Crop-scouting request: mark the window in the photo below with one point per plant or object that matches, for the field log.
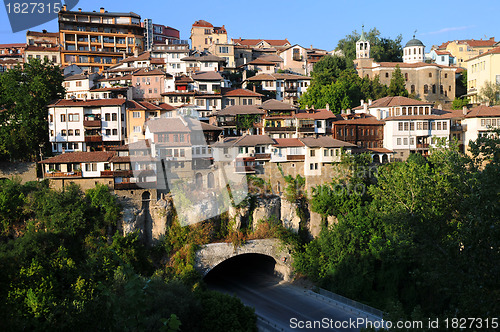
(136, 115)
(176, 138)
(426, 88)
(313, 153)
(91, 167)
(386, 74)
(114, 117)
(77, 132)
(434, 88)
(108, 132)
(70, 132)
(63, 132)
(399, 141)
(107, 117)
(405, 141)
(73, 117)
(51, 133)
(430, 74)
(63, 117)
(445, 126)
(406, 126)
(400, 126)
(325, 152)
(223, 49)
(203, 87)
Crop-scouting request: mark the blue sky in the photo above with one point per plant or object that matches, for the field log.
(318, 22)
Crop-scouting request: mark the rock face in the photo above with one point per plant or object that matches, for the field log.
(240, 216)
(289, 215)
(268, 208)
(132, 220)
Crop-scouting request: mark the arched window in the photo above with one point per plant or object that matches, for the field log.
(426, 88)
(404, 111)
(199, 181)
(146, 196)
(420, 110)
(430, 74)
(210, 180)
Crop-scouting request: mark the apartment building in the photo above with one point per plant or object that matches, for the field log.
(157, 34)
(288, 87)
(478, 122)
(203, 62)
(361, 129)
(43, 45)
(96, 41)
(482, 69)
(234, 120)
(294, 59)
(82, 125)
(170, 55)
(149, 84)
(204, 34)
(79, 85)
(139, 112)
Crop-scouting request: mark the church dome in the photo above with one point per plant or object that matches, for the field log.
(414, 42)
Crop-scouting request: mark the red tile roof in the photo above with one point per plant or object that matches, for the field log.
(320, 114)
(80, 157)
(42, 34)
(394, 101)
(324, 142)
(88, 103)
(241, 93)
(484, 111)
(288, 142)
(255, 42)
(471, 42)
(202, 23)
(16, 45)
(149, 72)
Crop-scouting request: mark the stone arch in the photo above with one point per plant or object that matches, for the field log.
(212, 255)
(385, 158)
(376, 159)
(146, 196)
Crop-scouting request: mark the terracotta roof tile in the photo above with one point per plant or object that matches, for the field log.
(80, 157)
(484, 111)
(288, 142)
(324, 142)
(88, 103)
(241, 93)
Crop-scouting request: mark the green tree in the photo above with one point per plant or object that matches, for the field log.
(24, 96)
(381, 49)
(459, 103)
(490, 92)
(397, 86)
(328, 69)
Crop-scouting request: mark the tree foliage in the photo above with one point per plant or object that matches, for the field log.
(397, 87)
(490, 92)
(381, 49)
(425, 240)
(24, 96)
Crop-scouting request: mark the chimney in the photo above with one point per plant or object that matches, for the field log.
(342, 112)
(327, 107)
(102, 9)
(64, 8)
(362, 102)
(254, 89)
(80, 10)
(487, 103)
(465, 110)
(370, 102)
(440, 107)
(365, 107)
(88, 148)
(44, 31)
(63, 150)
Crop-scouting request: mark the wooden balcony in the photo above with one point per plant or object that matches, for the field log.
(306, 130)
(63, 174)
(278, 129)
(93, 139)
(422, 146)
(134, 185)
(295, 157)
(227, 123)
(92, 123)
(262, 156)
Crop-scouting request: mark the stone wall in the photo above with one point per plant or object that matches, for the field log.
(25, 171)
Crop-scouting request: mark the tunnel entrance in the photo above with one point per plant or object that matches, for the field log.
(245, 268)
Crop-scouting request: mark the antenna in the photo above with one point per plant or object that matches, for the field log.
(414, 33)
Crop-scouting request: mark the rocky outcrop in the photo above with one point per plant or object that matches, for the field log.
(289, 216)
(266, 208)
(239, 216)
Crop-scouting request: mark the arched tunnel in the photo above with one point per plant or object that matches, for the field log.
(249, 270)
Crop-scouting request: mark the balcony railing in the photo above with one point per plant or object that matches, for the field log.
(135, 185)
(261, 156)
(92, 123)
(458, 128)
(295, 157)
(227, 124)
(306, 130)
(274, 129)
(422, 146)
(290, 89)
(63, 174)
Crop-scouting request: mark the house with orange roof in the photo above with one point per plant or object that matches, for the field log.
(465, 49)
(444, 58)
(204, 34)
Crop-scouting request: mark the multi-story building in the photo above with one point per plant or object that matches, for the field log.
(294, 59)
(277, 44)
(226, 52)
(240, 97)
(428, 81)
(444, 58)
(261, 66)
(43, 45)
(12, 51)
(288, 87)
(170, 54)
(81, 125)
(139, 112)
(204, 62)
(478, 122)
(79, 85)
(96, 41)
(204, 34)
(361, 129)
(465, 49)
(234, 120)
(149, 84)
(157, 34)
(482, 69)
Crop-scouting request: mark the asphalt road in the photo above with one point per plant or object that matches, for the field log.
(279, 302)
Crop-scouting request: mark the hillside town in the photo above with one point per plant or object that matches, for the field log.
(130, 84)
(216, 179)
